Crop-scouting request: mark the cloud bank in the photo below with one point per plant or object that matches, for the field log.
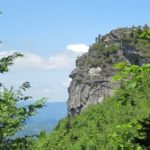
(31, 60)
(62, 60)
(46, 84)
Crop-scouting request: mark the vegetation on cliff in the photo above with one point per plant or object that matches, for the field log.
(94, 70)
(100, 53)
(120, 122)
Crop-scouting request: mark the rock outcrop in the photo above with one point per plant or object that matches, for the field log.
(91, 79)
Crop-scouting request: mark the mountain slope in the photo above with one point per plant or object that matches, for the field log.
(91, 78)
(122, 120)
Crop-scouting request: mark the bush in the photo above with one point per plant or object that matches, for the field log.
(12, 117)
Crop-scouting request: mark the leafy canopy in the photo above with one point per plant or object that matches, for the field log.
(13, 116)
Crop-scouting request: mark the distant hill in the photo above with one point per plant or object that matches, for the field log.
(45, 119)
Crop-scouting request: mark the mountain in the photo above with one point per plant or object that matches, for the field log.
(91, 78)
(108, 115)
(45, 119)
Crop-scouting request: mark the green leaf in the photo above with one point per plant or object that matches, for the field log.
(132, 85)
(116, 78)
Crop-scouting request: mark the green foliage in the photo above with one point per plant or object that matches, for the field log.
(78, 79)
(91, 62)
(133, 80)
(98, 46)
(24, 143)
(138, 38)
(13, 116)
(142, 46)
(145, 34)
(113, 124)
(124, 135)
(144, 133)
(102, 53)
(112, 48)
(5, 62)
(105, 47)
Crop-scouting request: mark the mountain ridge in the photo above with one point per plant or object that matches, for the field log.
(91, 79)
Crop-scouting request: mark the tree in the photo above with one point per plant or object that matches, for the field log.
(134, 82)
(13, 116)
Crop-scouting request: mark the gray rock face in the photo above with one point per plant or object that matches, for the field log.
(91, 79)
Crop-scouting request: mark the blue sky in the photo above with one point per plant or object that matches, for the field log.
(52, 33)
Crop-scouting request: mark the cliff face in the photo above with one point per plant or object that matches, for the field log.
(91, 79)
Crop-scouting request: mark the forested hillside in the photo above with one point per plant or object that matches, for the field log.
(121, 121)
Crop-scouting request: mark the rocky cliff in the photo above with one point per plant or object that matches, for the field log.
(91, 79)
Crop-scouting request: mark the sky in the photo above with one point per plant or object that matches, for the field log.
(53, 33)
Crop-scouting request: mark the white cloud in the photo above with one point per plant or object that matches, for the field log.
(63, 60)
(67, 82)
(30, 60)
(54, 89)
(58, 61)
(5, 53)
(78, 48)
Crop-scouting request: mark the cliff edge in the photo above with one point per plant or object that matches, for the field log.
(91, 79)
